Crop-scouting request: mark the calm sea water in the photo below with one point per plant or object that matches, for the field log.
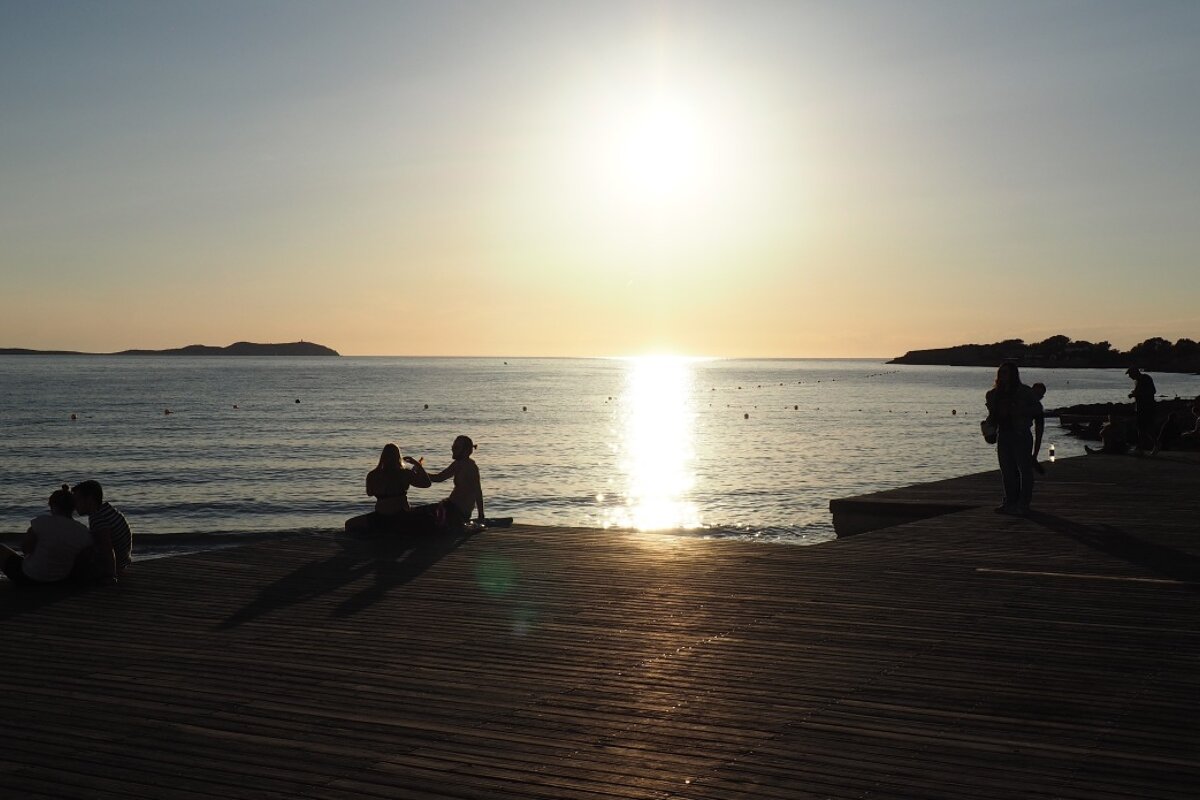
(730, 448)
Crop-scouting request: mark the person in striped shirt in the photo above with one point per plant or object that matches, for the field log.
(110, 531)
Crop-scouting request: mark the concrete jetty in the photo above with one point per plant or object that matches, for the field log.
(960, 655)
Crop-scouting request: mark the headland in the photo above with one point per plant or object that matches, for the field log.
(1062, 352)
(301, 348)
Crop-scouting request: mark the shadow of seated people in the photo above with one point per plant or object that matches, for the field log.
(386, 562)
(17, 600)
(1161, 560)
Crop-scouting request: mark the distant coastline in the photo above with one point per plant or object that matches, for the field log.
(300, 348)
(1154, 354)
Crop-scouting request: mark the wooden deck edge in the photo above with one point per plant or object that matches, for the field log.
(854, 516)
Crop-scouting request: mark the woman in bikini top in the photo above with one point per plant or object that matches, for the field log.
(388, 483)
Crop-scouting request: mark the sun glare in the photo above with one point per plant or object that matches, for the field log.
(660, 148)
(657, 150)
(655, 450)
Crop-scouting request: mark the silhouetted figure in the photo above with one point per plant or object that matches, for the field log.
(1144, 406)
(1190, 439)
(1112, 440)
(1012, 408)
(52, 546)
(1169, 434)
(453, 512)
(111, 535)
(388, 483)
(1039, 425)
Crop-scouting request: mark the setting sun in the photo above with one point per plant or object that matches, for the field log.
(658, 150)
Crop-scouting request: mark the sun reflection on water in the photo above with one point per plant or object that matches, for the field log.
(655, 448)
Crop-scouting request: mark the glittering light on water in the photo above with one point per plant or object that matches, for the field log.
(655, 448)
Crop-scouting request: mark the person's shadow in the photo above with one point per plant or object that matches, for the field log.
(1163, 561)
(15, 601)
(393, 562)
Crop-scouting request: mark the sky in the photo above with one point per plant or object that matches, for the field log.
(729, 179)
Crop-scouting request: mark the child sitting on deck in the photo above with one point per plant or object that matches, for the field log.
(1112, 440)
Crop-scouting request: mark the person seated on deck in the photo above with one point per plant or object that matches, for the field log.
(1190, 439)
(52, 547)
(111, 536)
(453, 512)
(388, 483)
(1112, 440)
(1168, 435)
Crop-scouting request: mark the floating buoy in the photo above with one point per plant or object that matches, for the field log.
(427, 406)
(297, 399)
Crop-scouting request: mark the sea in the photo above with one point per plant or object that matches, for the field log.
(249, 446)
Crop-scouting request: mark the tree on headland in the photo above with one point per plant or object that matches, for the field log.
(1156, 354)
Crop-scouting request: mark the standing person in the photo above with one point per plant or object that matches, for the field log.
(1011, 408)
(1144, 406)
(51, 547)
(455, 510)
(110, 531)
(388, 483)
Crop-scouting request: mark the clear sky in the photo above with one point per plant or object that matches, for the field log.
(598, 178)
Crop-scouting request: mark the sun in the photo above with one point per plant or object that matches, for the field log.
(645, 164)
(657, 150)
(652, 149)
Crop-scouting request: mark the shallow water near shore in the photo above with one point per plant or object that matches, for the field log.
(740, 448)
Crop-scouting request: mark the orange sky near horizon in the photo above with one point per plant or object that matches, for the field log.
(596, 179)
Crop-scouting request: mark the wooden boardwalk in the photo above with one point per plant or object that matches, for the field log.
(963, 656)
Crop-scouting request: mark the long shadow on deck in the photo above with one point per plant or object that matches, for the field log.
(1166, 562)
(14, 601)
(394, 562)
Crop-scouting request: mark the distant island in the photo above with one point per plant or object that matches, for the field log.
(300, 348)
(1155, 354)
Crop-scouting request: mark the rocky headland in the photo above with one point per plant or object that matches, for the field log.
(1155, 355)
(300, 348)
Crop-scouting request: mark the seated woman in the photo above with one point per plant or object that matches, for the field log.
(1168, 435)
(388, 483)
(1190, 440)
(453, 512)
(1112, 439)
(52, 547)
